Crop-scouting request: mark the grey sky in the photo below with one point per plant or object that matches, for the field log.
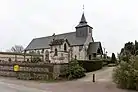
(114, 21)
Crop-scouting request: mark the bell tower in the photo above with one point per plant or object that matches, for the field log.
(83, 29)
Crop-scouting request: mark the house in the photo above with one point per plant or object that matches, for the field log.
(62, 48)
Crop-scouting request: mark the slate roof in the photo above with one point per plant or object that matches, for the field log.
(83, 22)
(94, 46)
(83, 19)
(57, 42)
(43, 42)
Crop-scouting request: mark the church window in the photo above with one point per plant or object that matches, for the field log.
(89, 57)
(56, 53)
(65, 47)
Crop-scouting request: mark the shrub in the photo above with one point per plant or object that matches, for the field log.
(106, 62)
(91, 65)
(126, 74)
(74, 70)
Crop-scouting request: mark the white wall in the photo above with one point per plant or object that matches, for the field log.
(75, 51)
(61, 58)
(62, 55)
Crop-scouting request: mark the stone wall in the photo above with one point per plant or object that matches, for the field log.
(34, 71)
(59, 69)
(61, 58)
(28, 70)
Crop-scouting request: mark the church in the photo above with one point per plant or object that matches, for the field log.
(62, 48)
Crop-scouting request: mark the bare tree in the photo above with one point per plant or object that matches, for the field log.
(17, 48)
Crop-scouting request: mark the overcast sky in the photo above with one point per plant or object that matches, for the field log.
(114, 21)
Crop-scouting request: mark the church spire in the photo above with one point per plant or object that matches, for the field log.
(83, 19)
(83, 29)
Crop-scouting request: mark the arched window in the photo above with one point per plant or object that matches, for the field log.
(89, 57)
(65, 47)
(56, 53)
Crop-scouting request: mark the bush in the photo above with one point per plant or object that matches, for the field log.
(126, 74)
(106, 62)
(91, 65)
(74, 70)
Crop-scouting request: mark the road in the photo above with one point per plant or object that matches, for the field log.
(8, 87)
(103, 75)
(103, 84)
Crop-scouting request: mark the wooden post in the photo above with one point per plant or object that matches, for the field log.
(93, 77)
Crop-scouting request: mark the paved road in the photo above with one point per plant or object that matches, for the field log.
(103, 84)
(9, 87)
(104, 74)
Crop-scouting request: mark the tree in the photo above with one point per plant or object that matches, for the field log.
(125, 75)
(17, 49)
(136, 47)
(113, 59)
(130, 47)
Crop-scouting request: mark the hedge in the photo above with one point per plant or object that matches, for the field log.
(106, 62)
(91, 65)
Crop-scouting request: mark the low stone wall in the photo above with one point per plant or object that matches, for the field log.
(32, 71)
(59, 69)
(27, 70)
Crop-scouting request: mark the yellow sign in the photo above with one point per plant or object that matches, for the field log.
(16, 68)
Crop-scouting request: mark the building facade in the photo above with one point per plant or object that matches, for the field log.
(64, 47)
